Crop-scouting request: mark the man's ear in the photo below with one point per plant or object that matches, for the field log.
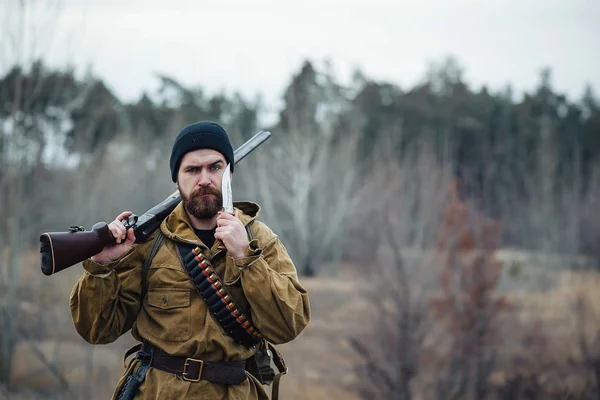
(177, 184)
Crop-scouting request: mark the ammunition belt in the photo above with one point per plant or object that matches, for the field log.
(218, 299)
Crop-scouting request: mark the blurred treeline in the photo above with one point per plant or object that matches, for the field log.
(72, 152)
(350, 166)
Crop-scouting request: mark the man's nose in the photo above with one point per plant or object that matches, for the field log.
(204, 179)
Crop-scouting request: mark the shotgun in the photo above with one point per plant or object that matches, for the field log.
(61, 250)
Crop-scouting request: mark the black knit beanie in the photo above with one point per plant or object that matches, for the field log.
(200, 135)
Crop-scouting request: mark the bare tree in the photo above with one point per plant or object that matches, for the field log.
(309, 181)
(407, 194)
(13, 237)
(30, 117)
(467, 306)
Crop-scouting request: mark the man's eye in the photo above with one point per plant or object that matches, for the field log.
(215, 167)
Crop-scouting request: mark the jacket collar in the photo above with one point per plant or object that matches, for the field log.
(178, 226)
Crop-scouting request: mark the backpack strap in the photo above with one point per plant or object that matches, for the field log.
(158, 241)
(249, 231)
(134, 380)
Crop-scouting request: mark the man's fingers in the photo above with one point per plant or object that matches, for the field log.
(224, 222)
(230, 221)
(223, 230)
(227, 216)
(117, 227)
(220, 235)
(117, 233)
(124, 215)
(130, 238)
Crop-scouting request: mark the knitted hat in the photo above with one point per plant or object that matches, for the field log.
(200, 135)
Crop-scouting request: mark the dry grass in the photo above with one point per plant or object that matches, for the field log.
(321, 361)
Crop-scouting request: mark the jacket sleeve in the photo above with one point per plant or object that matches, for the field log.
(279, 303)
(105, 300)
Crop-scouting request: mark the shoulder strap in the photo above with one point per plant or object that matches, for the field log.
(158, 241)
(250, 231)
(280, 364)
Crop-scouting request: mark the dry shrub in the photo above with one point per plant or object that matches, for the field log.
(551, 342)
(466, 308)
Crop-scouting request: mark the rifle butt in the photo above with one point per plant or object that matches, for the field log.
(61, 250)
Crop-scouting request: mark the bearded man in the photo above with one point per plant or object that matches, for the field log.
(203, 296)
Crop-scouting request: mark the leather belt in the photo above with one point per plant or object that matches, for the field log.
(194, 370)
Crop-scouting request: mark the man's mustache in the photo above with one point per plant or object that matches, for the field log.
(205, 190)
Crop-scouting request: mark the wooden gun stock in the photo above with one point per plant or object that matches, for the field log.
(61, 250)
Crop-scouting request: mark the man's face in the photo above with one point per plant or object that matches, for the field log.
(199, 182)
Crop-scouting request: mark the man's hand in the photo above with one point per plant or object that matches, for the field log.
(231, 231)
(124, 240)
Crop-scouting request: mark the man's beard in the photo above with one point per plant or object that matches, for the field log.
(203, 207)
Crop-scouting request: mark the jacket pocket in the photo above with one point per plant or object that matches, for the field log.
(168, 314)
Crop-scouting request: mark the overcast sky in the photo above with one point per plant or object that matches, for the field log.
(255, 46)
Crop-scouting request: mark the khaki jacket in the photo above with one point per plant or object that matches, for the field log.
(105, 304)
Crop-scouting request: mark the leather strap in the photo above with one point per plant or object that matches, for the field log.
(133, 381)
(129, 352)
(194, 370)
(280, 364)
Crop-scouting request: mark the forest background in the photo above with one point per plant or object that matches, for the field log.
(448, 234)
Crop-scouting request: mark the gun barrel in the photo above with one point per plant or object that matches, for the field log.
(240, 153)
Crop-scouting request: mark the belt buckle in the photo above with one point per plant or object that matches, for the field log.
(185, 366)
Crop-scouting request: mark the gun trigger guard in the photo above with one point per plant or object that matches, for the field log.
(130, 222)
